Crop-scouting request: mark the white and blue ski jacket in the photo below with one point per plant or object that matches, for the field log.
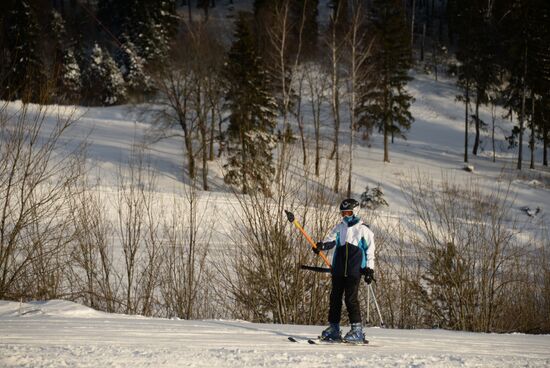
(354, 248)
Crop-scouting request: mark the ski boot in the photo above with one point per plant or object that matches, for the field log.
(332, 333)
(355, 335)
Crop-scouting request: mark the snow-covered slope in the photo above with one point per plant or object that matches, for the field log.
(63, 334)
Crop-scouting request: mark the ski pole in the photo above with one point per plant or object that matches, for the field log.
(292, 219)
(382, 324)
(368, 304)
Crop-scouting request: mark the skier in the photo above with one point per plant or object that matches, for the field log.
(353, 257)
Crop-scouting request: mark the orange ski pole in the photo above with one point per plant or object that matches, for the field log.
(292, 219)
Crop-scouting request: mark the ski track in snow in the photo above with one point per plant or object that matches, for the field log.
(64, 334)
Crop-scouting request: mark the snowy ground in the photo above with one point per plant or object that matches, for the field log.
(63, 334)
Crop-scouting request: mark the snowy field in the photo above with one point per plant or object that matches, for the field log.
(63, 334)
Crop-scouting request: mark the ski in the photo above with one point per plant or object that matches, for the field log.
(324, 342)
(332, 342)
(302, 340)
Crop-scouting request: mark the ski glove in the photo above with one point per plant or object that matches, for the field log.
(319, 246)
(369, 276)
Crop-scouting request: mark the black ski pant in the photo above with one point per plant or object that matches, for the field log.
(348, 286)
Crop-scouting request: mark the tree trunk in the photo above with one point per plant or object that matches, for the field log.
(187, 137)
(190, 154)
(423, 42)
(522, 112)
(204, 144)
(212, 129)
(532, 140)
(387, 123)
(545, 123)
(493, 115)
(466, 103)
(413, 13)
(300, 120)
(335, 108)
(477, 125)
(243, 158)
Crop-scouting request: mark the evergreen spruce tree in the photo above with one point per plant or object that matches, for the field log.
(103, 80)
(25, 78)
(384, 102)
(133, 70)
(541, 71)
(114, 91)
(150, 24)
(94, 76)
(252, 114)
(477, 53)
(520, 62)
(66, 71)
(70, 78)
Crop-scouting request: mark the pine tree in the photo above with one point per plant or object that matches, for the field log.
(94, 75)
(114, 90)
(70, 78)
(384, 101)
(252, 114)
(521, 64)
(26, 77)
(66, 71)
(478, 73)
(149, 23)
(133, 70)
(103, 80)
(541, 81)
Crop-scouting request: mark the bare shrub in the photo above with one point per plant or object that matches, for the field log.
(184, 288)
(468, 247)
(93, 277)
(138, 226)
(37, 177)
(398, 269)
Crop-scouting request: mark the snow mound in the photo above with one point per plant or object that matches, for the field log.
(51, 308)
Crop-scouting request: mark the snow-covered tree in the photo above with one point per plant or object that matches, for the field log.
(103, 80)
(373, 198)
(149, 23)
(66, 71)
(252, 115)
(115, 89)
(150, 37)
(385, 102)
(70, 82)
(133, 70)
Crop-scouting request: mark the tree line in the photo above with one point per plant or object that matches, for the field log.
(112, 52)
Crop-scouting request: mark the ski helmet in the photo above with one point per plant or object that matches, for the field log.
(348, 204)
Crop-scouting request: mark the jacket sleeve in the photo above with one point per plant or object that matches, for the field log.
(369, 237)
(332, 239)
